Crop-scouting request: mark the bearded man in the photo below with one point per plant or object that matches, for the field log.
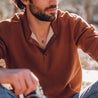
(41, 46)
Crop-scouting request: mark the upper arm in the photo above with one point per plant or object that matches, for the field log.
(86, 38)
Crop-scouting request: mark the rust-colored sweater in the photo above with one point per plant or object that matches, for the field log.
(57, 66)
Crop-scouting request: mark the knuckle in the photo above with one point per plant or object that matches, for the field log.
(14, 76)
(33, 88)
(19, 73)
(18, 89)
(24, 89)
(18, 93)
(30, 89)
(26, 71)
(27, 92)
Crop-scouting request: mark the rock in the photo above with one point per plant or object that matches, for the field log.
(6, 9)
(87, 62)
(89, 77)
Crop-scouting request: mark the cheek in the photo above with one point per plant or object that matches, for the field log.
(42, 3)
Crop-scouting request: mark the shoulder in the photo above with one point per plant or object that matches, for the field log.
(65, 15)
(70, 19)
(9, 26)
(10, 23)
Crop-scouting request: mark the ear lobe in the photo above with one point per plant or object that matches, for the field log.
(25, 2)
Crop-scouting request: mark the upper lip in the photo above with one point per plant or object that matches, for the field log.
(52, 7)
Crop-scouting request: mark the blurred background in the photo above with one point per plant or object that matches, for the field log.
(87, 9)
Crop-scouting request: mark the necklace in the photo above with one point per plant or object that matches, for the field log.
(43, 41)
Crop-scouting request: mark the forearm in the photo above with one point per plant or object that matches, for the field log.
(2, 76)
(22, 80)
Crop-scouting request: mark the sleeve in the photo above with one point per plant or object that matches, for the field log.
(86, 37)
(2, 50)
(2, 41)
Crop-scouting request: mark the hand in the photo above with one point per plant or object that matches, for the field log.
(22, 80)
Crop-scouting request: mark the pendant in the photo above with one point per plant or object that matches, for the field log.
(43, 41)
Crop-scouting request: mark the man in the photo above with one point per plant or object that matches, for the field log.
(43, 42)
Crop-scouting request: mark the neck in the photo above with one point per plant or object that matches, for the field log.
(37, 26)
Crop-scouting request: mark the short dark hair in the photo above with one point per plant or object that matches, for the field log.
(19, 4)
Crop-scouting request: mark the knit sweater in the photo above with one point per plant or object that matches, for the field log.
(57, 66)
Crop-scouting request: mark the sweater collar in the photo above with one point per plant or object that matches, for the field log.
(27, 30)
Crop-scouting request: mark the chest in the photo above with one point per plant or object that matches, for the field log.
(28, 54)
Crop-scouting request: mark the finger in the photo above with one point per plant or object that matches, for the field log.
(23, 84)
(16, 85)
(34, 79)
(29, 83)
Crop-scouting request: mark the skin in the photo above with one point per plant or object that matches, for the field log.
(23, 80)
(38, 27)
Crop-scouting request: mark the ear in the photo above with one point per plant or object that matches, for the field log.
(25, 2)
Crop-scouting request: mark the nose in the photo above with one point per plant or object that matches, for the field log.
(53, 2)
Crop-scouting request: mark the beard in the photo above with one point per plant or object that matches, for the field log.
(41, 15)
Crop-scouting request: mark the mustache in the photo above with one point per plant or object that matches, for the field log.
(52, 6)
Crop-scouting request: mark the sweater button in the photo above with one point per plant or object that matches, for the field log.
(48, 44)
(54, 36)
(31, 40)
(45, 54)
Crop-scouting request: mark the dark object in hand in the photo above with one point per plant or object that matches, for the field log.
(32, 95)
